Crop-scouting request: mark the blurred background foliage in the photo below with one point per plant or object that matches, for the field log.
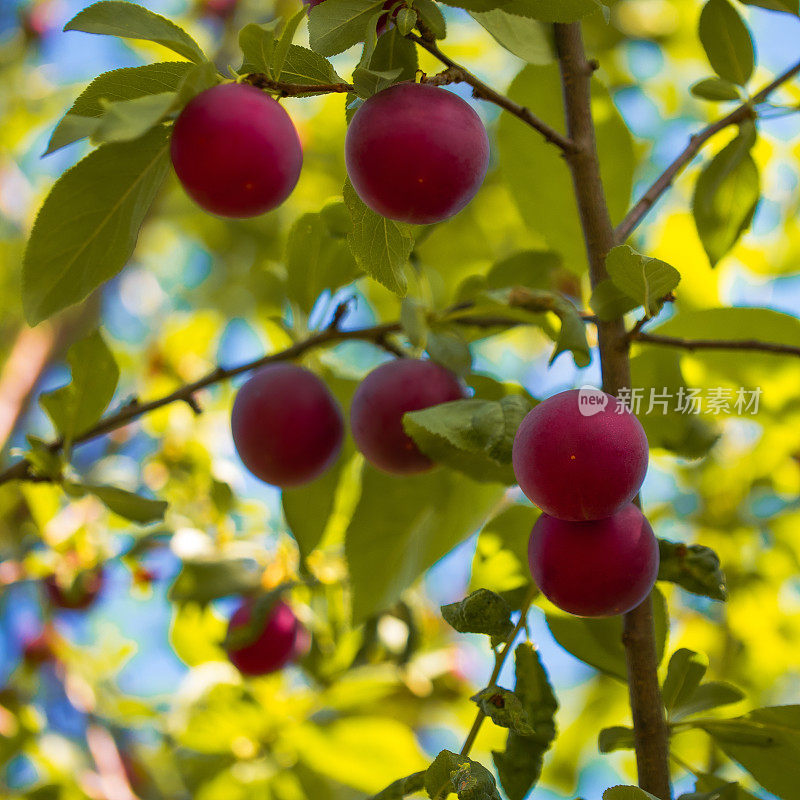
(142, 673)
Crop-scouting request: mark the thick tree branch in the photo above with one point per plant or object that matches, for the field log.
(647, 709)
(752, 345)
(665, 180)
(378, 335)
(484, 92)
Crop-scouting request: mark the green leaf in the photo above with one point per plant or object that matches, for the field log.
(414, 319)
(609, 302)
(627, 793)
(401, 526)
(454, 773)
(472, 436)
(432, 16)
(446, 346)
(368, 82)
(552, 10)
(685, 671)
(112, 87)
(538, 176)
(257, 43)
(716, 89)
(711, 694)
(726, 196)
(87, 228)
(304, 66)
(526, 38)
(710, 787)
(520, 764)
(501, 556)
(645, 280)
(693, 567)
(132, 21)
(316, 261)
(475, 5)
(482, 612)
(130, 119)
(727, 41)
(402, 787)
(405, 20)
(76, 407)
(789, 6)
(202, 581)
(505, 709)
(129, 505)
(619, 737)
(380, 246)
(285, 42)
(766, 742)
(336, 25)
(598, 642)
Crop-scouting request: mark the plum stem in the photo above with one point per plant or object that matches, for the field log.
(651, 735)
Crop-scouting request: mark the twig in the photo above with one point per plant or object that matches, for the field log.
(752, 345)
(484, 92)
(651, 736)
(262, 81)
(500, 660)
(696, 142)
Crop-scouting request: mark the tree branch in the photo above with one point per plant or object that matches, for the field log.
(647, 709)
(484, 92)
(378, 335)
(752, 345)
(665, 180)
(261, 81)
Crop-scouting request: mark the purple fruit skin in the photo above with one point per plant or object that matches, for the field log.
(577, 467)
(598, 568)
(236, 151)
(416, 153)
(287, 427)
(388, 392)
(275, 646)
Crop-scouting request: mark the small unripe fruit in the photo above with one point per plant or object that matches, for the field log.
(577, 465)
(598, 568)
(388, 392)
(416, 153)
(78, 595)
(236, 151)
(287, 427)
(273, 648)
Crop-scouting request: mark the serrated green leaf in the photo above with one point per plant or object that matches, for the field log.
(202, 581)
(472, 436)
(711, 694)
(693, 567)
(132, 21)
(504, 709)
(316, 261)
(726, 196)
(716, 89)
(285, 42)
(645, 280)
(257, 43)
(87, 228)
(380, 246)
(405, 20)
(368, 82)
(336, 25)
(451, 772)
(727, 41)
(685, 671)
(115, 86)
(482, 612)
(520, 764)
(526, 38)
(74, 408)
(130, 119)
(619, 737)
(401, 526)
(305, 67)
(598, 642)
(766, 742)
(432, 16)
(129, 505)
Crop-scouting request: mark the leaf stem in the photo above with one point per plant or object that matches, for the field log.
(499, 661)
